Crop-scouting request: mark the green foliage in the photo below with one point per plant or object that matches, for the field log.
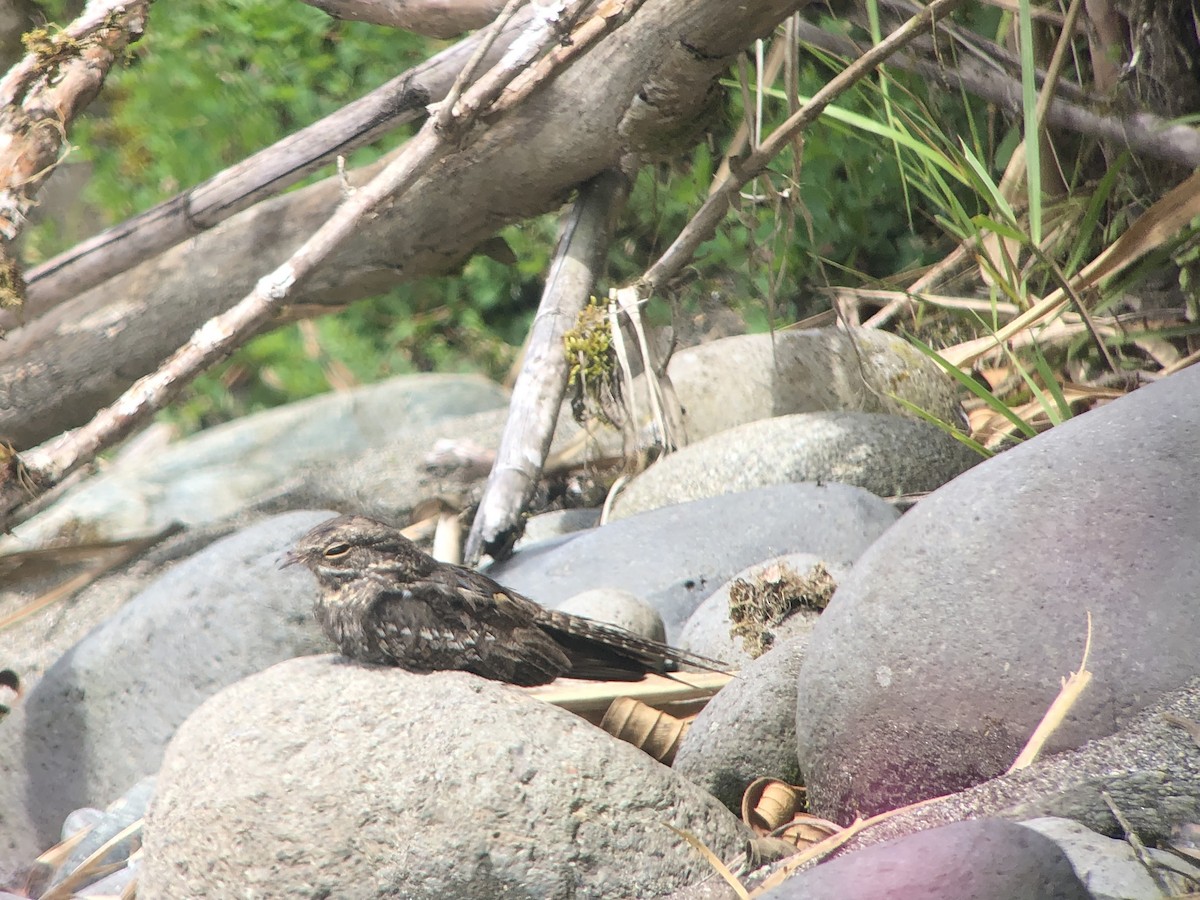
(212, 82)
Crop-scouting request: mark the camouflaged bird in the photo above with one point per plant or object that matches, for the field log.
(385, 601)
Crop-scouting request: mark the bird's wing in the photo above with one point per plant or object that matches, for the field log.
(597, 650)
(452, 622)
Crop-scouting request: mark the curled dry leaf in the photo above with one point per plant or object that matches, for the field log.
(768, 804)
(806, 830)
(651, 730)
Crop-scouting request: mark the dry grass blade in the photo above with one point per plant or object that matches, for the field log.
(1071, 689)
(1161, 222)
(90, 869)
(715, 862)
(588, 699)
(114, 556)
(57, 855)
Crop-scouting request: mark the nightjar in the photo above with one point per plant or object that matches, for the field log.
(385, 601)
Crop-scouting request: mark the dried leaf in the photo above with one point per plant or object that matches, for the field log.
(655, 732)
(768, 803)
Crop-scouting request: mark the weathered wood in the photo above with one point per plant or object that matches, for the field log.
(41, 95)
(46, 466)
(542, 382)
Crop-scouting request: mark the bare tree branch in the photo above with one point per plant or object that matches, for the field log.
(42, 94)
(434, 18)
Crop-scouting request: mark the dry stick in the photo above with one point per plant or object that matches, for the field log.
(446, 110)
(608, 15)
(267, 172)
(96, 17)
(538, 392)
(703, 224)
(1139, 847)
(1071, 689)
(222, 334)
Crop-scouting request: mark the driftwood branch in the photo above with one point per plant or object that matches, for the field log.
(538, 393)
(58, 370)
(266, 173)
(433, 18)
(45, 466)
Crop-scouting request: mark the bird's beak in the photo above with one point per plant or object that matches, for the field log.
(290, 559)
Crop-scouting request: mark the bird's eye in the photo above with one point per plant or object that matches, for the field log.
(333, 551)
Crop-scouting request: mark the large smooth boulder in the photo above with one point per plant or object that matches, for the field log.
(950, 637)
(757, 376)
(987, 859)
(319, 778)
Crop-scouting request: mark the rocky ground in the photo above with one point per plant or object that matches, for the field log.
(183, 717)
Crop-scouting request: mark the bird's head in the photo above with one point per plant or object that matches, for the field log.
(350, 547)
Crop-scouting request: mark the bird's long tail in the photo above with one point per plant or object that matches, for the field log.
(600, 650)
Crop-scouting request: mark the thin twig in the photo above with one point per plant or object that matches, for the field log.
(608, 16)
(446, 108)
(1139, 847)
(1071, 689)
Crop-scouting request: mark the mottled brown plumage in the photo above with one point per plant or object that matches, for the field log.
(385, 601)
